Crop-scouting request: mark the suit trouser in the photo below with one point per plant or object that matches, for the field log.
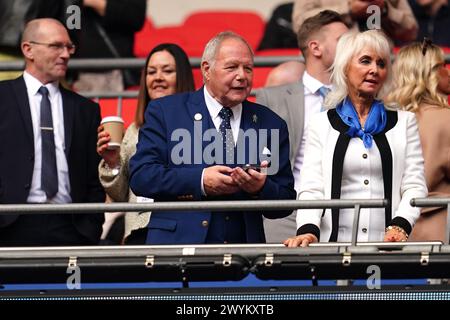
(42, 230)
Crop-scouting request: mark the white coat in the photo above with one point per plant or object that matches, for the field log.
(366, 173)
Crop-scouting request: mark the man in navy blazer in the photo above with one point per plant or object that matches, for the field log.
(193, 145)
(47, 47)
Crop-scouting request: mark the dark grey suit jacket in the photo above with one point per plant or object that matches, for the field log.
(288, 102)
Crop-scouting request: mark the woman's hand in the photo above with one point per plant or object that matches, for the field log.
(302, 240)
(395, 234)
(111, 157)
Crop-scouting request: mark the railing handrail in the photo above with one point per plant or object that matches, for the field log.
(137, 63)
(430, 202)
(435, 202)
(242, 205)
(131, 94)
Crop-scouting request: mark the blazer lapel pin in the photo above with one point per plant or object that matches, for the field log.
(255, 118)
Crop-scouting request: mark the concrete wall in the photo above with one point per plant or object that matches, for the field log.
(173, 12)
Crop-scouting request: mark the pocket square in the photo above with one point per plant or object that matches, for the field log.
(266, 151)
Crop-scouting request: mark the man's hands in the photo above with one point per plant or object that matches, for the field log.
(223, 180)
(217, 181)
(250, 181)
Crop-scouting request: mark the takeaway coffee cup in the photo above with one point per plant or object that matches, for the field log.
(114, 126)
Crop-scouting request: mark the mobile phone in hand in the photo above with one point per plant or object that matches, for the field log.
(255, 167)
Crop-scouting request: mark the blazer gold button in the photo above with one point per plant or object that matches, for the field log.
(365, 156)
(205, 223)
(366, 182)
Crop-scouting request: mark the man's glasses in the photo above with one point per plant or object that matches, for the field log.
(426, 43)
(58, 47)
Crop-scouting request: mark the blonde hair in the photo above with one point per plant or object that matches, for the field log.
(348, 46)
(416, 78)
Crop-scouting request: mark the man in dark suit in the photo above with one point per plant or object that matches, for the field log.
(192, 147)
(49, 137)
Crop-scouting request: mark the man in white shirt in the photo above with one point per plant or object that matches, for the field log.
(49, 137)
(297, 102)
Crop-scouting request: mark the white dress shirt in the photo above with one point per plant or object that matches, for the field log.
(313, 105)
(37, 195)
(214, 108)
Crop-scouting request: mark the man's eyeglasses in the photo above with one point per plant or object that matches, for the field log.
(59, 47)
(425, 44)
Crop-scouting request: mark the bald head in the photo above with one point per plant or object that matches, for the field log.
(38, 28)
(46, 47)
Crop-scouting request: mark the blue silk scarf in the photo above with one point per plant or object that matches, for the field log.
(375, 123)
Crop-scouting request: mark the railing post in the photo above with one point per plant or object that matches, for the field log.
(355, 224)
(119, 106)
(447, 232)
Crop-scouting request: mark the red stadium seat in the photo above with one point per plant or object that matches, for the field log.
(198, 28)
(278, 52)
(202, 26)
(108, 107)
(141, 39)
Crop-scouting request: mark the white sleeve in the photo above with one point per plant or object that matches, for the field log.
(413, 184)
(312, 186)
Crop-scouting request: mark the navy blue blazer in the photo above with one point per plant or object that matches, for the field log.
(156, 174)
(81, 119)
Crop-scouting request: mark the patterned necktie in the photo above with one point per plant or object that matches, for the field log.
(323, 91)
(227, 134)
(49, 173)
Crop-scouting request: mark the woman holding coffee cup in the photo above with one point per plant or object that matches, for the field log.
(167, 71)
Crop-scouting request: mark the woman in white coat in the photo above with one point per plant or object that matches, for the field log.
(358, 149)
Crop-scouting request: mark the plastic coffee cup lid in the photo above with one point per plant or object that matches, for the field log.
(112, 119)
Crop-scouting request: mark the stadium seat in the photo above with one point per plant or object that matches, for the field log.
(202, 26)
(108, 107)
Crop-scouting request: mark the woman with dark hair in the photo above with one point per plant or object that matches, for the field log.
(167, 71)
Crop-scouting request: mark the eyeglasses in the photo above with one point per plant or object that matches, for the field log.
(425, 44)
(58, 47)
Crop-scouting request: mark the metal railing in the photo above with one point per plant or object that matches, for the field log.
(137, 63)
(132, 63)
(205, 262)
(435, 202)
(247, 205)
